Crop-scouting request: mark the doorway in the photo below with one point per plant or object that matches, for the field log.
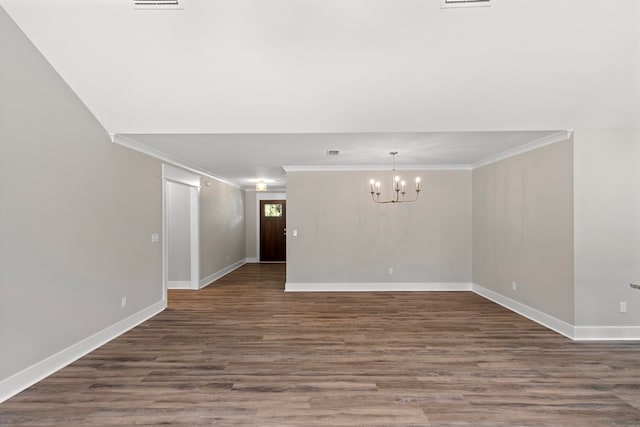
(180, 194)
(273, 230)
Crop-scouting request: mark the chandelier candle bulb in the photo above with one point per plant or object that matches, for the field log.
(399, 188)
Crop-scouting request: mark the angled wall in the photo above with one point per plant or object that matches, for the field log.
(523, 229)
(250, 225)
(76, 220)
(222, 228)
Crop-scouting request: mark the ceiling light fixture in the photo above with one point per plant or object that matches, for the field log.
(261, 186)
(399, 186)
(157, 4)
(464, 3)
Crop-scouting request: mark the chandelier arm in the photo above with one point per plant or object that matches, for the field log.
(384, 202)
(412, 200)
(398, 187)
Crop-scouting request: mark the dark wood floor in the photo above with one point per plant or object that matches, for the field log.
(242, 352)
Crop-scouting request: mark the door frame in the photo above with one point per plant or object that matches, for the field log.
(180, 176)
(259, 197)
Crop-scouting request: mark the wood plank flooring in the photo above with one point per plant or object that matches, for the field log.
(242, 352)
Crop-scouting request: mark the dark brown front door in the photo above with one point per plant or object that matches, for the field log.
(273, 223)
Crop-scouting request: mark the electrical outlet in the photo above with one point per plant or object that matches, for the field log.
(514, 286)
(390, 271)
(124, 302)
(623, 306)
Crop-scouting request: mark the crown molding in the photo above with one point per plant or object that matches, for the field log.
(145, 149)
(547, 140)
(355, 168)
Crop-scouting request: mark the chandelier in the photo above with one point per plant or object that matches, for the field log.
(399, 186)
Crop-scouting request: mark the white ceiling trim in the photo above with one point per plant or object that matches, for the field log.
(352, 168)
(135, 145)
(547, 140)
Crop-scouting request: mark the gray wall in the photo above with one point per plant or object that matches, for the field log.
(178, 199)
(607, 225)
(222, 226)
(345, 237)
(250, 213)
(523, 228)
(76, 216)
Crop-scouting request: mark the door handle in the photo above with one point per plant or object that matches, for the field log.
(634, 285)
(285, 232)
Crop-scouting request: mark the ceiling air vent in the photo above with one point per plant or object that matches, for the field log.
(333, 152)
(157, 4)
(465, 3)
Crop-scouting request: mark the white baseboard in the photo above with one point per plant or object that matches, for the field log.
(253, 260)
(576, 333)
(376, 287)
(174, 284)
(220, 273)
(31, 375)
(537, 316)
(607, 333)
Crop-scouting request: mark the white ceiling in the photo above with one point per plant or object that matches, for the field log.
(241, 158)
(186, 80)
